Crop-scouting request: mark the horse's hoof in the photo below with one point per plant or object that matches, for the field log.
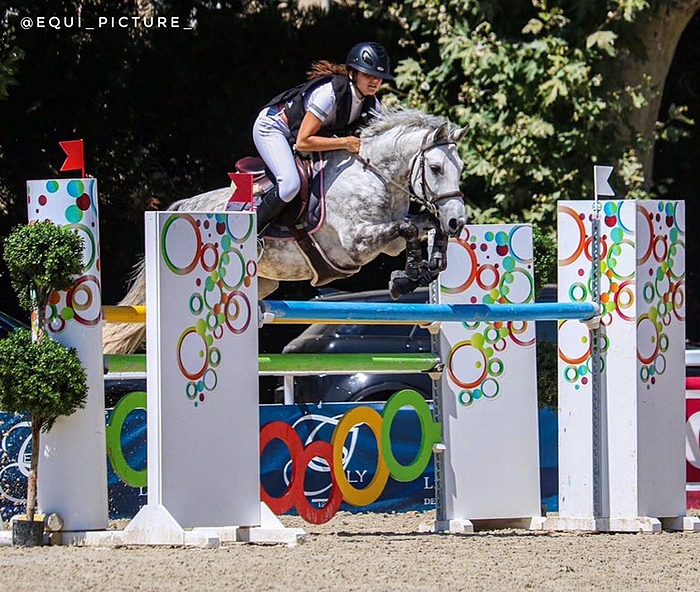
(400, 285)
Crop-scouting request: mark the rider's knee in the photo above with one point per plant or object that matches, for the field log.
(288, 188)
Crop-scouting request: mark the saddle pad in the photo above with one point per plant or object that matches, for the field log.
(315, 213)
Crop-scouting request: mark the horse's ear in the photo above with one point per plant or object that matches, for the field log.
(442, 133)
(439, 136)
(457, 134)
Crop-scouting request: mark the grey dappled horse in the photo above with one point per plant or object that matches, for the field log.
(406, 156)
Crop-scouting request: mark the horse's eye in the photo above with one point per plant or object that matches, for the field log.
(436, 169)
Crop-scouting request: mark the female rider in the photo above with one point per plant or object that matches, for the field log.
(317, 116)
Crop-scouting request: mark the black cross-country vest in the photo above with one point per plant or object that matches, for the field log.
(293, 100)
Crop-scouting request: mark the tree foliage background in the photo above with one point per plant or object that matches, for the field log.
(166, 112)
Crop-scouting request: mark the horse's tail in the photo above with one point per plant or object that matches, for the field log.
(125, 338)
(175, 206)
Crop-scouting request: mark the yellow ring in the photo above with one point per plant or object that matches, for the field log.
(369, 494)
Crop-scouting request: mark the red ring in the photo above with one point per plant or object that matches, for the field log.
(279, 430)
(305, 509)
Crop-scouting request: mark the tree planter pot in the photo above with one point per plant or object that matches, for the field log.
(27, 533)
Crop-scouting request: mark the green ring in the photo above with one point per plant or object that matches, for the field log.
(131, 402)
(431, 433)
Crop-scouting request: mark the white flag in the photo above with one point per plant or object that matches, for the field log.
(601, 176)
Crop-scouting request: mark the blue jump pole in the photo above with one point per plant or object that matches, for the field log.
(286, 311)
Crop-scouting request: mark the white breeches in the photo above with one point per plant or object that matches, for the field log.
(270, 134)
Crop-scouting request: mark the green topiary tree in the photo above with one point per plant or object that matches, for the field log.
(44, 379)
(38, 375)
(42, 257)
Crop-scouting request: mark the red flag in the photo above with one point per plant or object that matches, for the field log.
(75, 156)
(242, 186)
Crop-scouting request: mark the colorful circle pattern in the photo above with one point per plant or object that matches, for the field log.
(212, 255)
(501, 271)
(82, 303)
(657, 247)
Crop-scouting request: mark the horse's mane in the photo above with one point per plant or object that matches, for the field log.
(407, 119)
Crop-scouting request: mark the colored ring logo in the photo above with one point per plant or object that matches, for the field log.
(127, 404)
(342, 489)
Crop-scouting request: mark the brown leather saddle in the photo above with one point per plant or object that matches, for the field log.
(295, 212)
(295, 217)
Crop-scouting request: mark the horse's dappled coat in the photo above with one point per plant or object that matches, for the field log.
(365, 206)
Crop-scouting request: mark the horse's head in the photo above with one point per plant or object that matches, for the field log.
(435, 174)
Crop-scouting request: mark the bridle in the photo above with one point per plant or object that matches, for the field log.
(427, 198)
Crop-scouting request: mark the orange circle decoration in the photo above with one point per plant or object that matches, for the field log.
(488, 283)
(370, 493)
(647, 327)
(660, 248)
(192, 375)
(568, 260)
(237, 312)
(624, 299)
(458, 350)
(566, 357)
(650, 247)
(80, 289)
(470, 268)
(197, 241)
(513, 331)
(678, 300)
(210, 257)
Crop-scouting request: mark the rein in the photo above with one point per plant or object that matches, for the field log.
(428, 198)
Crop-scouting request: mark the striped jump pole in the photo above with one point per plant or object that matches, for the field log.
(282, 311)
(303, 312)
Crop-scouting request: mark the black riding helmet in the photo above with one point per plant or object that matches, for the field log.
(371, 58)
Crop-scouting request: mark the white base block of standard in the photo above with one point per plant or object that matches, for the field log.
(271, 530)
(681, 523)
(643, 524)
(448, 526)
(155, 526)
(464, 526)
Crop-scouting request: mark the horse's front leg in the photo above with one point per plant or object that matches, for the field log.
(423, 224)
(438, 256)
(417, 272)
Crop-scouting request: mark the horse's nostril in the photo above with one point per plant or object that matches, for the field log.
(455, 225)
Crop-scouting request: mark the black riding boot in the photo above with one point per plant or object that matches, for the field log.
(270, 206)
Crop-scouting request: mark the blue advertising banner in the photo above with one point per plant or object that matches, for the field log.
(313, 423)
(310, 422)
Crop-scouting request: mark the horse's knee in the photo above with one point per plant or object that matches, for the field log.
(408, 230)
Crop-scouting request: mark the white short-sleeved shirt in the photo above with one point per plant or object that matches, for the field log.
(321, 102)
